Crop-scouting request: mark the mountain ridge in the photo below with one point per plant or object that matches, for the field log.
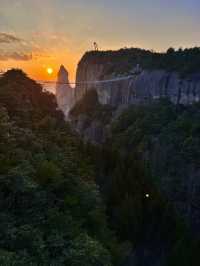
(157, 78)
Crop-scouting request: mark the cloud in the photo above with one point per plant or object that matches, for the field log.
(9, 38)
(18, 49)
(17, 56)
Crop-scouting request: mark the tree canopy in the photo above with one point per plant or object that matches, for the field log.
(51, 209)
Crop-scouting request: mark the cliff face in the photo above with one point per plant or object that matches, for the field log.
(87, 72)
(134, 88)
(132, 85)
(175, 76)
(64, 92)
(133, 76)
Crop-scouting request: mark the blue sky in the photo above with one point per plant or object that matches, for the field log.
(53, 31)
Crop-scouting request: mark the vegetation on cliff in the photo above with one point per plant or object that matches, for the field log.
(146, 170)
(52, 212)
(89, 105)
(183, 61)
(159, 148)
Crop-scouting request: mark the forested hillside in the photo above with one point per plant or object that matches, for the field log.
(159, 145)
(51, 209)
(148, 172)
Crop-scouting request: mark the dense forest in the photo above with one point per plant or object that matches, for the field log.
(148, 172)
(183, 61)
(65, 202)
(51, 209)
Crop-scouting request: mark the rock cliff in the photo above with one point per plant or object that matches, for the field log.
(134, 88)
(133, 76)
(136, 77)
(64, 92)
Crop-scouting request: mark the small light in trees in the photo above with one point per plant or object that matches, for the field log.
(147, 195)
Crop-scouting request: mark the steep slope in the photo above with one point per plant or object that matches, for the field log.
(148, 170)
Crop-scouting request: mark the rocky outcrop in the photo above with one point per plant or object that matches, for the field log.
(87, 72)
(98, 71)
(135, 88)
(64, 92)
(94, 132)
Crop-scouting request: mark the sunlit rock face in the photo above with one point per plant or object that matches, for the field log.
(139, 88)
(87, 72)
(64, 92)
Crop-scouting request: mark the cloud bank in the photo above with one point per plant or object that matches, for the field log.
(18, 56)
(9, 38)
(12, 48)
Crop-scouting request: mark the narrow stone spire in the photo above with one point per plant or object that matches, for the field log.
(63, 75)
(64, 92)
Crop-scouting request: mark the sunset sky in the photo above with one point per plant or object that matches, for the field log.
(40, 34)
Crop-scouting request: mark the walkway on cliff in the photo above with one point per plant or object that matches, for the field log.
(43, 82)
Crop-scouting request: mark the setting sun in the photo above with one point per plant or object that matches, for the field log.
(49, 70)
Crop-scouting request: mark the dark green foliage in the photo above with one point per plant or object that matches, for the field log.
(185, 61)
(51, 210)
(89, 106)
(149, 145)
(166, 140)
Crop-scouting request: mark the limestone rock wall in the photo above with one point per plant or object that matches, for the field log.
(64, 92)
(140, 88)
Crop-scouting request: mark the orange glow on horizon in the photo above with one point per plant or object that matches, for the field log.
(46, 68)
